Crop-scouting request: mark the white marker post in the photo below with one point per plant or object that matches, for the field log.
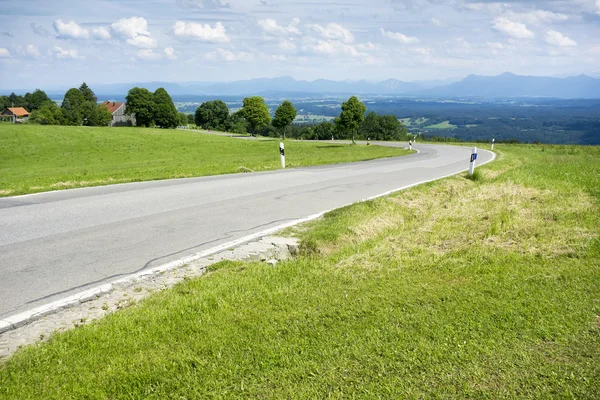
(472, 163)
(493, 140)
(410, 144)
(282, 153)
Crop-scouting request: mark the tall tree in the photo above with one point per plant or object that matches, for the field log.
(256, 112)
(284, 115)
(72, 106)
(212, 114)
(34, 101)
(140, 102)
(88, 93)
(353, 113)
(165, 114)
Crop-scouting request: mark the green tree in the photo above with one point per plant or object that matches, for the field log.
(284, 115)
(381, 127)
(140, 102)
(88, 94)
(256, 113)
(15, 101)
(47, 114)
(212, 115)
(165, 113)
(324, 131)
(34, 101)
(191, 118)
(236, 123)
(183, 119)
(72, 106)
(353, 113)
(89, 113)
(104, 116)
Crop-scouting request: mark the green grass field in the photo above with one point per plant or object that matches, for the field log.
(35, 158)
(461, 288)
(413, 121)
(441, 125)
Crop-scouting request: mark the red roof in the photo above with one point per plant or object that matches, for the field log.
(18, 111)
(112, 105)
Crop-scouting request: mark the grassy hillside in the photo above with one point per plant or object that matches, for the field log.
(36, 158)
(484, 288)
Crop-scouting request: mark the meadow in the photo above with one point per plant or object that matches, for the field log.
(441, 125)
(35, 158)
(487, 287)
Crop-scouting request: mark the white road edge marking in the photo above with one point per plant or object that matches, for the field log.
(25, 317)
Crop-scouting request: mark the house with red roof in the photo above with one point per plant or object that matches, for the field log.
(15, 114)
(117, 109)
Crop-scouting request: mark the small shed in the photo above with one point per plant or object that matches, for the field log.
(16, 114)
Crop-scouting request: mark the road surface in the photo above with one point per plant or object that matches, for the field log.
(58, 243)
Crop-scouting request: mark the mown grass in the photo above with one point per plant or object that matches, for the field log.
(36, 158)
(486, 288)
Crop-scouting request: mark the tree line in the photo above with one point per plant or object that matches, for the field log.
(79, 107)
(255, 118)
(156, 109)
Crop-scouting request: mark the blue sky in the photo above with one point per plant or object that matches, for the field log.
(64, 42)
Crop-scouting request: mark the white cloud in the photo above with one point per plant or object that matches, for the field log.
(4, 53)
(29, 51)
(142, 42)
(227, 55)
(423, 51)
(70, 30)
(101, 33)
(203, 32)
(513, 29)
(332, 31)
(537, 17)
(135, 32)
(269, 26)
(558, 39)
(495, 45)
(436, 22)
(170, 53)
(490, 8)
(367, 46)
(287, 45)
(399, 37)
(148, 54)
(62, 54)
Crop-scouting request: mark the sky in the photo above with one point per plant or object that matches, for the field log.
(53, 43)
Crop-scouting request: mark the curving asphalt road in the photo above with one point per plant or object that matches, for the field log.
(58, 243)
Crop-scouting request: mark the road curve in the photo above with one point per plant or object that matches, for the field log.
(58, 243)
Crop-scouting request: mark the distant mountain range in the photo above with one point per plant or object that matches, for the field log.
(506, 85)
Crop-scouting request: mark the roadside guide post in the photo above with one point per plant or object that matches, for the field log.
(282, 153)
(472, 163)
(410, 144)
(493, 140)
